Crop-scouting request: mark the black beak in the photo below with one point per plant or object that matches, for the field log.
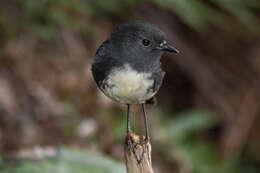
(168, 48)
(164, 46)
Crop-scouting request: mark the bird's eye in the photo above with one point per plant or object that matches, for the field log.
(146, 42)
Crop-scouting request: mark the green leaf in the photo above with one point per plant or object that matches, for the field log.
(69, 161)
(190, 122)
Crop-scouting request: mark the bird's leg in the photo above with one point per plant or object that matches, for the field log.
(128, 119)
(147, 135)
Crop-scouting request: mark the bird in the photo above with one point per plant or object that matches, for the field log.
(127, 66)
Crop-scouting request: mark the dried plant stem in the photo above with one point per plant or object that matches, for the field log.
(137, 154)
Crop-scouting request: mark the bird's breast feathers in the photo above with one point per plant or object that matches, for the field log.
(125, 85)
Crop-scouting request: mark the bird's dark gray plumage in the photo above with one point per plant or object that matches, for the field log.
(127, 66)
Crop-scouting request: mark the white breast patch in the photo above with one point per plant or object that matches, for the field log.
(128, 86)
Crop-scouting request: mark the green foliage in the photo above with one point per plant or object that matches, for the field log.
(69, 161)
(189, 123)
(198, 155)
(112, 6)
(198, 14)
(73, 116)
(46, 17)
(117, 123)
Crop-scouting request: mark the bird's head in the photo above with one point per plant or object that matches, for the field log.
(140, 41)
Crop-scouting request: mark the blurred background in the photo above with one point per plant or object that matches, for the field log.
(54, 119)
